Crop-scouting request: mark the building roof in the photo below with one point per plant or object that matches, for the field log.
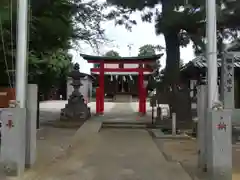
(105, 58)
(233, 47)
(200, 62)
(120, 73)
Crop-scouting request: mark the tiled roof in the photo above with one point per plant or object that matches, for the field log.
(200, 62)
(99, 58)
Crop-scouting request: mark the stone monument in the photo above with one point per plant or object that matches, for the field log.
(75, 109)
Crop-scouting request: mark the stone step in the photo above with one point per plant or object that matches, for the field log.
(124, 126)
(130, 125)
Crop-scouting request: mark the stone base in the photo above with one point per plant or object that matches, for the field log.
(122, 98)
(141, 114)
(67, 114)
(99, 114)
(13, 153)
(219, 148)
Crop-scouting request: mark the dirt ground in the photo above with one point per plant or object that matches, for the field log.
(185, 152)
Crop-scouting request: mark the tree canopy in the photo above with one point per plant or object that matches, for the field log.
(179, 21)
(147, 50)
(54, 28)
(112, 53)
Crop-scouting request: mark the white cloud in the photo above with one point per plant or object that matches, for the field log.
(142, 33)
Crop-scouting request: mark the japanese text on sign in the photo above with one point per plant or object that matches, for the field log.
(229, 70)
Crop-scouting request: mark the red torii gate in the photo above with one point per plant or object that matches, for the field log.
(141, 69)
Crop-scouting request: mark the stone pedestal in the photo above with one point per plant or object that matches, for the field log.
(13, 141)
(201, 125)
(31, 124)
(219, 145)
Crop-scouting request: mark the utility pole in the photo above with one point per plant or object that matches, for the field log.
(21, 60)
(218, 121)
(16, 132)
(211, 52)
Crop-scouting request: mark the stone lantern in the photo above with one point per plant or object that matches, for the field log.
(76, 109)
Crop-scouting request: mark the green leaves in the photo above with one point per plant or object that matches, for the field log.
(54, 26)
(149, 50)
(112, 53)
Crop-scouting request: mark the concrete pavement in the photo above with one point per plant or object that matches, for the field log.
(114, 155)
(111, 154)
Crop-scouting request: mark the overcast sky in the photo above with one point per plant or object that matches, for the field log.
(142, 33)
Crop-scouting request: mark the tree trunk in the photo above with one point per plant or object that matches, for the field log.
(173, 54)
(172, 66)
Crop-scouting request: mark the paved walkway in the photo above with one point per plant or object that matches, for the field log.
(111, 154)
(114, 155)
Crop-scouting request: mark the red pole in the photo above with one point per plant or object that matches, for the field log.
(97, 101)
(101, 84)
(140, 83)
(139, 94)
(144, 100)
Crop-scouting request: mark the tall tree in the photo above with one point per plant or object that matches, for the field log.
(179, 21)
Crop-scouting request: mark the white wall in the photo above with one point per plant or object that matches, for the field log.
(124, 65)
(84, 89)
(111, 66)
(130, 65)
(69, 87)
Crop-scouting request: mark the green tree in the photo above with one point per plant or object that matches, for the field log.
(112, 53)
(54, 28)
(179, 22)
(150, 50)
(147, 50)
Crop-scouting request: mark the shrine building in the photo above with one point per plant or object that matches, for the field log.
(122, 78)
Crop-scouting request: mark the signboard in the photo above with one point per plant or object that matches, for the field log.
(229, 70)
(228, 81)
